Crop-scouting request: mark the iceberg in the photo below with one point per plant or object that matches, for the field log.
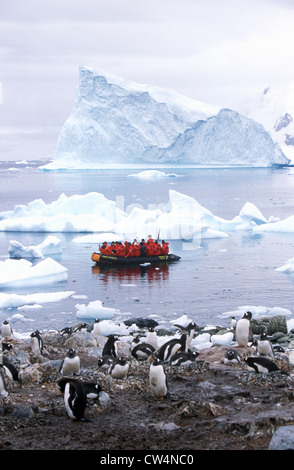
(22, 273)
(117, 122)
(50, 246)
(95, 310)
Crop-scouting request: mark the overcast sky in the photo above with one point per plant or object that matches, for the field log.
(222, 52)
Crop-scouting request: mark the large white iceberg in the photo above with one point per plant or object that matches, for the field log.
(118, 122)
(50, 246)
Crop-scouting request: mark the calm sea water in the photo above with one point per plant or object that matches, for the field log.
(221, 276)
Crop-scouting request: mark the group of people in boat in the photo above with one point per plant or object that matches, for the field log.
(149, 248)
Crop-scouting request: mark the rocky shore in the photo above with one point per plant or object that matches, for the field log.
(210, 405)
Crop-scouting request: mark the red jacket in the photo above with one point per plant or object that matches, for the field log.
(165, 248)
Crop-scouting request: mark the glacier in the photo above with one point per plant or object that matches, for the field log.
(117, 123)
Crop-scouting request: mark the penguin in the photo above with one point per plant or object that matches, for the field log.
(36, 342)
(75, 398)
(242, 330)
(158, 381)
(6, 329)
(142, 351)
(80, 327)
(97, 330)
(233, 323)
(110, 347)
(3, 389)
(169, 348)
(264, 346)
(183, 358)
(104, 362)
(119, 368)
(189, 329)
(71, 363)
(231, 357)
(151, 338)
(10, 370)
(66, 331)
(92, 390)
(261, 365)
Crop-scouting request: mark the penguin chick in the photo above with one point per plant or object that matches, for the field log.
(6, 329)
(142, 351)
(119, 368)
(264, 346)
(36, 342)
(261, 365)
(71, 363)
(242, 330)
(110, 347)
(97, 330)
(92, 390)
(157, 379)
(231, 357)
(169, 348)
(75, 398)
(183, 358)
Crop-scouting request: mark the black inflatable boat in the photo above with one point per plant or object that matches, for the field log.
(110, 260)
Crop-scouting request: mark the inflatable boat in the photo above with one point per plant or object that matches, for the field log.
(109, 260)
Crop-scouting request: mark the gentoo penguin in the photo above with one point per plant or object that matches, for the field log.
(104, 362)
(242, 330)
(92, 390)
(71, 363)
(231, 357)
(119, 368)
(97, 330)
(142, 351)
(264, 346)
(189, 329)
(36, 342)
(157, 378)
(6, 329)
(3, 389)
(110, 347)
(66, 331)
(10, 370)
(169, 348)
(75, 398)
(261, 365)
(183, 358)
(233, 323)
(151, 338)
(80, 327)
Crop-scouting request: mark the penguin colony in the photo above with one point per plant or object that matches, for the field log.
(174, 352)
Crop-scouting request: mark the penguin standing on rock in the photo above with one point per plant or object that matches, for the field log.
(110, 347)
(36, 342)
(119, 368)
(75, 398)
(261, 365)
(6, 329)
(169, 348)
(71, 363)
(151, 338)
(97, 330)
(242, 330)
(189, 329)
(158, 381)
(264, 346)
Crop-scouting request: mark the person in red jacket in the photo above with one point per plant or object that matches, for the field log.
(103, 248)
(164, 248)
(131, 251)
(157, 248)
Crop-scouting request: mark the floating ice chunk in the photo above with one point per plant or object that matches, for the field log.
(222, 340)
(22, 273)
(152, 175)
(288, 267)
(18, 300)
(95, 310)
(50, 246)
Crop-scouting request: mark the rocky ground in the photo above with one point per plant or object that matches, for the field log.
(210, 406)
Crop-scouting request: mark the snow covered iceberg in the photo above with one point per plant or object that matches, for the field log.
(117, 122)
(50, 246)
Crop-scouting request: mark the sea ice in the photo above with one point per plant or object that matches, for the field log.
(50, 246)
(95, 310)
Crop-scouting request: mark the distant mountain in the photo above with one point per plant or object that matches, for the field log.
(275, 111)
(117, 121)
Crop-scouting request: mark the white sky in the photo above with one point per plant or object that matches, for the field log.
(222, 52)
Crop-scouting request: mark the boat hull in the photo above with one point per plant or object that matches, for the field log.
(109, 260)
